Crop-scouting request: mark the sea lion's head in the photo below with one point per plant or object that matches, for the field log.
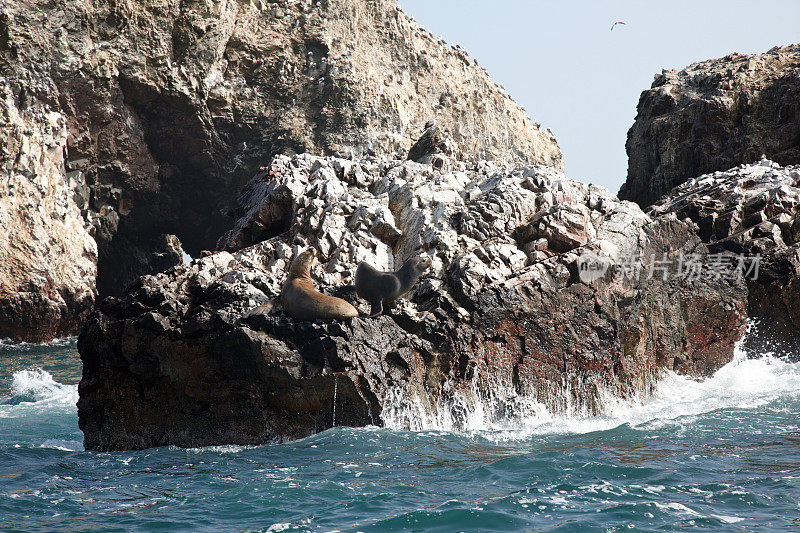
(418, 265)
(302, 263)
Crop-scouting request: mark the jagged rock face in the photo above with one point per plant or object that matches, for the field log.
(753, 210)
(171, 105)
(712, 116)
(433, 141)
(47, 255)
(502, 318)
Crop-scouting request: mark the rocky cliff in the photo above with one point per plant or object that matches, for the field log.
(170, 106)
(753, 211)
(507, 317)
(712, 116)
(47, 254)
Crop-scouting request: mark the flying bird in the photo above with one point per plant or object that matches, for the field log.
(618, 22)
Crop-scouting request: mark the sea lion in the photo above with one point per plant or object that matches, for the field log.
(379, 288)
(301, 300)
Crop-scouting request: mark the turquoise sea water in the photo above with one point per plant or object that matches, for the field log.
(720, 455)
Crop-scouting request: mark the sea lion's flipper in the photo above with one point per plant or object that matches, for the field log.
(377, 308)
(264, 309)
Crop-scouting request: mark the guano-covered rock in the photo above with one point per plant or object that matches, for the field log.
(504, 321)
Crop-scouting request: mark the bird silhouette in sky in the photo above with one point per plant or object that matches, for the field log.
(618, 22)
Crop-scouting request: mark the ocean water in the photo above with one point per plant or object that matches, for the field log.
(721, 455)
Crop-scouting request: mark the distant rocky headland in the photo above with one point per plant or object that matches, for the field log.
(712, 116)
(246, 132)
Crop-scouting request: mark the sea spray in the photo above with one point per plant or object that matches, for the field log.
(36, 390)
(37, 385)
(499, 412)
(492, 407)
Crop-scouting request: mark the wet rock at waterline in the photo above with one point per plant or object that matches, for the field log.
(503, 317)
(753, 211)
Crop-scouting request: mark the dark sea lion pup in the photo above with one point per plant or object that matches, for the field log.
(301, 300)
(379, 288)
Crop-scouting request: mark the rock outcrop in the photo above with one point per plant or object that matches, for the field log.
(432, 142)
(507, 317)
(170, 106)
(47, 254)
(753, 211)
(712, 116)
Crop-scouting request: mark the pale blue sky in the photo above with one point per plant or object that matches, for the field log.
(560, 61)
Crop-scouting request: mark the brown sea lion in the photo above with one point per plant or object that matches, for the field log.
(379, 288)
(301, 300)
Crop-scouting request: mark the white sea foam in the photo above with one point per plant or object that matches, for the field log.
(39, 385)
(501, 414)
(63, 445)
(728, 519)
(678, 507)
(280, 526)
(9, 344)
(225, 448)
(35, 383)
(36, 389)
(743, 383)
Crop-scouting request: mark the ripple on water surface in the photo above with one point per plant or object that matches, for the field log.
(721, 454)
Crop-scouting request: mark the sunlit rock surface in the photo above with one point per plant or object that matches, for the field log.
(168, 107)
(711, 116)
(48, 257)
(753, 211)
(504, 319)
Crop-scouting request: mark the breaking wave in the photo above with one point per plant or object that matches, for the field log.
(36, 388)
(11, 346)
(501, 414)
